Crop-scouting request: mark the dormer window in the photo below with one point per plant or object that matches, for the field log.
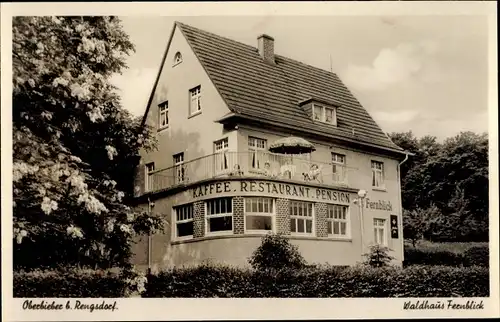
(177, 58)
(324, 114)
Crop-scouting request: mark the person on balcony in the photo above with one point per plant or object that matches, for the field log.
(314, 173)
(288, 169)
(237, 171)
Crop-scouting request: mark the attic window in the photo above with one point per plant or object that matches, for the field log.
(325, 114)
(177, 58)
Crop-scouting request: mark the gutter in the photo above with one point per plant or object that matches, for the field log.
(401, 205)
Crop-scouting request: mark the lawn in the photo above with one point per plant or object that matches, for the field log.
(458, 248)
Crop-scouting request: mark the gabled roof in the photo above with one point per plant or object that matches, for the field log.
(272, 92)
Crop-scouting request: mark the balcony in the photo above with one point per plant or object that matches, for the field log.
(248, 164)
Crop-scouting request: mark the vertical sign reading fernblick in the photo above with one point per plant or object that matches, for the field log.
(394, 227)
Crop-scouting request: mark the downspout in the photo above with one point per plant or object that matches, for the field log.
(401, 205)
(150, 206)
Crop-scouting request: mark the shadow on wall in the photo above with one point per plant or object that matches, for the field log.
(181, 255)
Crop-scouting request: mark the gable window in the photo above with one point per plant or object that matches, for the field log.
(378, 174)
(301, 217)
(379, 231)
(259, 214)
(148, 180)
(163, 115)
(195, 100)
(338, 167)
(337, 221)
(257, 148)
(219, 215)
(179, 167)
(221, 159)
(183, 221)
(177, 58)
(324, 114)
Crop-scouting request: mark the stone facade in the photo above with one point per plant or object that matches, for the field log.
(320, 213)
(199, 219)
(282, 216)
(238, 215)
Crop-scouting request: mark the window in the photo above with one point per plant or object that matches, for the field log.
(179, 168)
(148, 180)
(301, 217)
(379, 231)
(324, 114)
(219, 215)
(184, 221)
(163, 115)
(337, 221)
(177, 58)
(195, 100)
(259, 214)
(257, 148)
(220, 149)
(338, 167)
(377, 174)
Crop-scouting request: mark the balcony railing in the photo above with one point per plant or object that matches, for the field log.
(256, 164)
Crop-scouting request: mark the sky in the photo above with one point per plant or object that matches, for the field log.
(427, 74)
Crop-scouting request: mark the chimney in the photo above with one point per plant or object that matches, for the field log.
(266, 48)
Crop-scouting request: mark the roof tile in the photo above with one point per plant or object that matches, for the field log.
(272, 92)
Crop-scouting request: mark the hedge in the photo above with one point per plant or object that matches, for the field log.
(360, 281)
(70, 283)
(478, 255)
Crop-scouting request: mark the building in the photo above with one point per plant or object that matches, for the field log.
(217, 106)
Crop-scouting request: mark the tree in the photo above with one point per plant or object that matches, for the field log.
(451, 176)
(276, 252)
(378, 256)
(75, 148)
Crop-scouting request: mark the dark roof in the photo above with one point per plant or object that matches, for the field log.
(272, 92)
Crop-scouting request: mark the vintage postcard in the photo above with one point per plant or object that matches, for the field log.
(185, 161)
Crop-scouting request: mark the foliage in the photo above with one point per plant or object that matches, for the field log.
(477, 255)
(449, 180)
(378, 256)
(70, 282)
(276, 252)
(74, 147)
(328, 281)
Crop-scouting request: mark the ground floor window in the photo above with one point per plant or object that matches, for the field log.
(301, 217)
(379, 231)
(337, 221)
(259, 214)
(219, 215)
(183, 221)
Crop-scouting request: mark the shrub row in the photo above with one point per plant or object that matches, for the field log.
(69, 283)
(222, 281)
(478, 255)
(361, 281)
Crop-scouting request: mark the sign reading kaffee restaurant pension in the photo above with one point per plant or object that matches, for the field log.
(271, 189)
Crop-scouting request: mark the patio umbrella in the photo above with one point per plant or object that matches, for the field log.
(292, 145)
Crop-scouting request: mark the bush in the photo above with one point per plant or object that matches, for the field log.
(378, 256)
(478, 255)
(73, 282)
(415, 256)
(326, 281)
(276, 252)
